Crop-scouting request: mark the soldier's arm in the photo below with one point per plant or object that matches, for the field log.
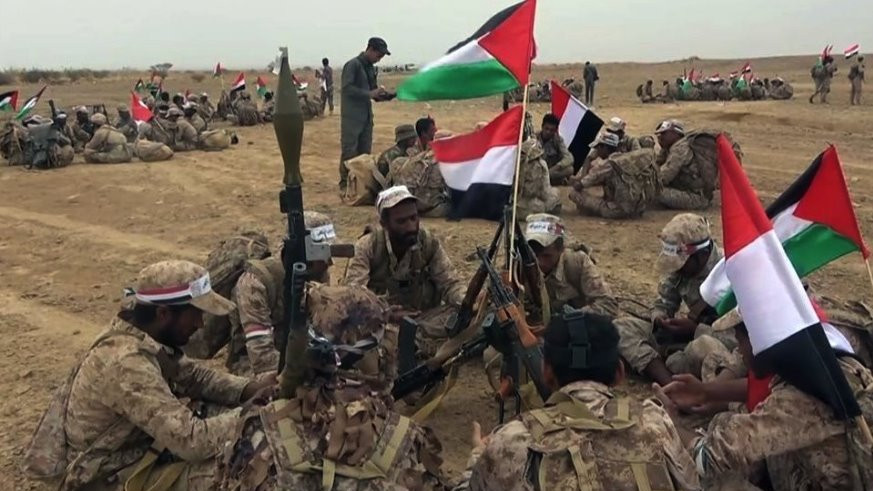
(96, 143)
(680, 155)
(597, 176)
(136, 390)
(565, 165)
(786, 421)
(595, 288)
(349, 81)
(669, 300)
(501, 464)
(679, 462)
(358, 271)
(444, 276)
(255, 318)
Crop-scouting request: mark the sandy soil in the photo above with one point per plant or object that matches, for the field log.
(71, 238)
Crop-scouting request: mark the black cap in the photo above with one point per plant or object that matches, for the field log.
(379, 45)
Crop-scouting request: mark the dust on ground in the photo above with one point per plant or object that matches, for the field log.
(71, 238)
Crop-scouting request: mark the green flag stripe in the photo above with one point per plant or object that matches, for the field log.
(458, 81)
(812, 248)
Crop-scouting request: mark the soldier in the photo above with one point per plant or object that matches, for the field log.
(630, 183)
(536, 194)
(156, 130)
(757, 88)
(359, 89)
(123, 416)
(326, 85)
(589, 74)
(420, 173)
(405, 139)
(149, 151)
(645, 92)
(627, 143)
(205, 107)
(245, 111)
(555, 153)
(688, 255)
(856, 78)
(178, 101)
(668, 92)
(586, 437)
(63, 150)
(260, 306)
(781, 90)
(125, 124)
(709, 91)
(269, 107)
(407, 263)
(13, 141)
(82, 128)
(184, 135)
(822, 74)
(311, 108)
(339, 432)
(688, 164)
(723, 91)
(193, 118)
(803, 444)
(601, 148)
(108, 146)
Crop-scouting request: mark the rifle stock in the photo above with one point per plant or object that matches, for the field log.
(425, 375)
(465, 312)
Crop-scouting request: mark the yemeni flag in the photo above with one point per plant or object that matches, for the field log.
(239, 84)
(479, 167)
(29, 104)
(260, 87)
(139, 87)
(495, 59)
(852, 50)
(579, 125)
(9, 101)
(139, 111)
(815, 221)
(747, 68)
(784, 329)
(216, 72)
(826, 51)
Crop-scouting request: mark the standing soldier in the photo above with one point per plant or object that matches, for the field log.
(822, 74)
(555, 152)
(359, 89)
(326, 85)
(589, 74)
(125, 124)
(856, 78)
(108, 145)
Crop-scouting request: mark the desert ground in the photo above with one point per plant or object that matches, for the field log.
(71, 238)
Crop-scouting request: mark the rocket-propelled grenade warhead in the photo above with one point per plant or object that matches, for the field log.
(288, 123)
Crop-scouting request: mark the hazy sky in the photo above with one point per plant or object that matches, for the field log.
(199, 33)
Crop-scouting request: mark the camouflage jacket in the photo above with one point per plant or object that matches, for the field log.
(388, 156)
(127, 127)
(106, 139)
(515, 459)
(796, 433)
(198, 123)
(629, 179)
(577, 282)
(691, 164)
(557, 157)
(422, 279)
(421, 174)
(184, 136)
(127, 397)
(675, 289)
(535, 194)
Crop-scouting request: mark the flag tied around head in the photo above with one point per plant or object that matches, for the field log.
(494, 59)
(579, 125)
(479, 167)
(785, 332)
(29, 104)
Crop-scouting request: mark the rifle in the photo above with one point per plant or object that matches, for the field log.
(510, 334)
(53, 108)
(465, 311)
(292, 333)
(531, 275)
(426, 376)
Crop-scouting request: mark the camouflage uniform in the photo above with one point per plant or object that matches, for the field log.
(246, 112)
(82, 131)
(536, 194)
(108, 146)
(197, 122)
(803, 444)
(630, 183)
(781, 91)
(558, 158)
(637, 449)
(148, 151)
(125, 124)
(856, 78)
(637, 344)
(267, 110)
(689, 171)
(421, 175)
(13, 141)
(423, 279)
(383, 163)
(205, 108)
(822, 76)
(184, 135)
(156, 131)
(124, 402)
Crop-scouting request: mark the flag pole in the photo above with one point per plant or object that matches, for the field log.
(511, 226)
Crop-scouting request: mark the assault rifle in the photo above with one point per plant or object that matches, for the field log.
(426, 375)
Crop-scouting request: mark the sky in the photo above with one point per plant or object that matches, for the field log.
(196, 34)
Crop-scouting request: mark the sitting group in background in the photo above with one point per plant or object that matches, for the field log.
(715, 88)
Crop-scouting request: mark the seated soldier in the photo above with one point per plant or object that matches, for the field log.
(125, 124)
(405, 139)
(535, 194)
(409, 265)
(420, 173)
(83, 128)
(124, 417)
(108, 145)
(586, 437)
(192, 116)
(184, 135)
(555, 153)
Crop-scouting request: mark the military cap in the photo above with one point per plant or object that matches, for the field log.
(122, 108)
(404, 132)
(320, 226)
(80, 109)
(345, 315)
(392, 197)
(379, 45)
(684, 235)
(615, 125)
(670, 124)
(175, 111)
(544, 229)
(608, 139)
(98, 118)
(192, 97)
(61, 115)
(178, 283)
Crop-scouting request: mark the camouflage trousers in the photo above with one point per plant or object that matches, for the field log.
(589, 204)
(117, 155)
(855, 97)
(215, 140)
(65, 155)
(677, 199)
(433, 327)
(710, 348)
(551, 205)
(152, 151)
(558, 176)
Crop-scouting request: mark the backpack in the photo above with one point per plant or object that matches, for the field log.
(637, 181)
(225, 264)
(40, 150)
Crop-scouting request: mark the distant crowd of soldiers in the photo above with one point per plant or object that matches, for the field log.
(716, 89)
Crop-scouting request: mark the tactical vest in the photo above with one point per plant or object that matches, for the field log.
(41, 148)
(635, 182)
(575, 449)
(418, 291)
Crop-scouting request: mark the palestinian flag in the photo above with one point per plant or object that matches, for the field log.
(852, 50)
(784, 329)
(239, 84)
(9, 101)
(579, 125)
(30, 104)
(260, 87)
(495, 59)
(139, 87)
(217, 71)
(479, 167)
(139, 111)
(813, 219)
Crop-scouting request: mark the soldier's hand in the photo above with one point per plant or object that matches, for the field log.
(477, 440)
(398, 312)
(665, 400)
(680, 326)
(261, 390)
(687, 392)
